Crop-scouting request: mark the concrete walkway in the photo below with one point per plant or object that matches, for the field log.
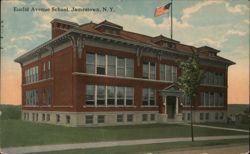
(44, 148)
(223, 128)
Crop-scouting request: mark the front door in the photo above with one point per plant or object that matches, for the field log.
(171, 100)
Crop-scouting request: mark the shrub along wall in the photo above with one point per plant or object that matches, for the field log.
(10, 111)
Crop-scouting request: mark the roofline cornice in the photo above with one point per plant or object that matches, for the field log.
(135, 43)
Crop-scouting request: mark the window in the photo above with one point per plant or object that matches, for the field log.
(120, 95)
(44, 70)
(100, 119)
(101, 95)
(89, 119)
(28, 116)
(90, 95)
(31, 74)
(162, 72)
(57, 118)
(149, 96)
(145, 70)
(36, 73)
(188, 116)
(111, 65)
(33, 116)
(207, 116)
(90, 63)
(145, 96)
(216, 116)
(152, 97)
(48, 117)
(31, 97)
(168, 72)
(186, 101)
(129, 67)
(201, 116)
(221, 116)
(111, 95)
(211, 99)
(183, 116)
(67, 119)
(43, 117)
(120, 66)
(144, 117)
(152, 71)
(149, 70)
(129, 95)
(221, 99)
(213, 78)
(49, 96)
(130, 118)
(49, 69)
(152, 117)
(120, 118)
(221, 79)
(206, 99)
(101, 61)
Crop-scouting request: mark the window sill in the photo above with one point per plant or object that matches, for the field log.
(109, 106)
(148, 106)
(211, 106)
(39, 81)
(31, 106)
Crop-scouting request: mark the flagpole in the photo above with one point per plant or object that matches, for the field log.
(171, 33)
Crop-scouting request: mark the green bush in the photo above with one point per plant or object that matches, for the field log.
(10, 111)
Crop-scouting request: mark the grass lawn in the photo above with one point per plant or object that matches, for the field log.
(237, 125)
(21, 133)
(237, 108)
(143, 149)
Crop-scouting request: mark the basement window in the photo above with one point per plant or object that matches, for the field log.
(89, 119)
(68, 119)
(100, 119)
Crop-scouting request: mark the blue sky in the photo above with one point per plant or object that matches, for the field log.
(221, 24)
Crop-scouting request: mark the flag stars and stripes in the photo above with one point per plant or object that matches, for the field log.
(162, 9)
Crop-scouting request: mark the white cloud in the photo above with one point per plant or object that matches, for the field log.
(246, 21)
(28, 37)
(237, 8)
(187, 12)
(236, 32)
(13, 2)
(207, 41)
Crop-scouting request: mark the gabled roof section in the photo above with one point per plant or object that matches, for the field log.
(172, 87)
(64, 22)
(208, 49)
(106, 23)
(163, 38)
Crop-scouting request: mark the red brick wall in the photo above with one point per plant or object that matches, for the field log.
(69, 90)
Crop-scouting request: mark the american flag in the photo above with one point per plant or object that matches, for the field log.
(162, 9)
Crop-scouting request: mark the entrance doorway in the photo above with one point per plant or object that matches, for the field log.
(171, 104)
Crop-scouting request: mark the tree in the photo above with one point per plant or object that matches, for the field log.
(189, 81)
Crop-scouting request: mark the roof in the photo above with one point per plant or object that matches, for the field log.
(136, 38)
(208, 49)
(110, 24)
(64, 22)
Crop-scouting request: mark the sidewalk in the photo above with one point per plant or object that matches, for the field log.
(223, 128)
(44, 148)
